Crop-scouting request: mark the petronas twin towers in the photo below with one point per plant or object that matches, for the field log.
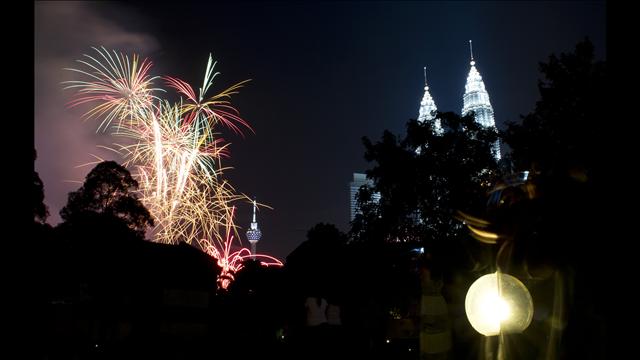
(475, 99)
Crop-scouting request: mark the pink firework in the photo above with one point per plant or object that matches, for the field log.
(230, 260)
(214, 110)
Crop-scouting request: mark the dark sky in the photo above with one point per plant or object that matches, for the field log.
(324, 75)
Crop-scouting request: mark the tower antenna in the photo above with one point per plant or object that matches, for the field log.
(425, 76)
(254, 234)
(471, 50)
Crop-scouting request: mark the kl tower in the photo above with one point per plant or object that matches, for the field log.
(254, 234)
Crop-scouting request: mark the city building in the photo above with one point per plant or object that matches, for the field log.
(359, 180)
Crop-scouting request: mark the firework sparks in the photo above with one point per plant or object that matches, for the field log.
(121, 88)
(231, 258)
(174, 152)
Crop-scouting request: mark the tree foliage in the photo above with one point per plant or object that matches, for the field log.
(40, 211)
(559, 143)
(315, 265)
(423, 179)
(560, 136)
(555, 222)
(109, 189)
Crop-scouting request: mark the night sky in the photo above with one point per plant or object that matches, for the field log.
(323, 75)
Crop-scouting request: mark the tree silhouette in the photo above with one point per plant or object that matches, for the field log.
(109, 190)
(559, 228)
(317, 268)
(423, 180)
(40, 211)
(309, 263)
(560, 137)
(560, 143)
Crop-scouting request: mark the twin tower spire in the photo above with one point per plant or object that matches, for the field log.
(475, 99)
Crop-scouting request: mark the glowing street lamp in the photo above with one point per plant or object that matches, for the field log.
(498, 303)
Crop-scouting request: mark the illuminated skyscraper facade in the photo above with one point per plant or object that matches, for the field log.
(428, 107)
(476, 100)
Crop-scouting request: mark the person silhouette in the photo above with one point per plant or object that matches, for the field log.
(315, 334)
(316, 311)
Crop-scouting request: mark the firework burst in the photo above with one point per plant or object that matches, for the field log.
(121, 88)
(173, 149)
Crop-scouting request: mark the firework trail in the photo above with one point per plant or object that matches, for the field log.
(173, 149)
(231, 258)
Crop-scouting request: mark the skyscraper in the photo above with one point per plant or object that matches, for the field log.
(428, 107)
(476, 100)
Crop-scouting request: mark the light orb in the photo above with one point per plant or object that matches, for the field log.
(498, 303)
